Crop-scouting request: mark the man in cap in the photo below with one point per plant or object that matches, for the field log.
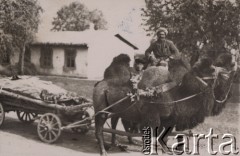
(161, 50)
(137, 71)
(139, 65)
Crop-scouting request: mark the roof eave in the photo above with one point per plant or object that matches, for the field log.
(60, 44)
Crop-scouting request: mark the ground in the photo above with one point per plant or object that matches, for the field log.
(18, 139)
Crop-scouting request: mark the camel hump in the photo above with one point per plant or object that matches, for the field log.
(118, 73)
(154, 76)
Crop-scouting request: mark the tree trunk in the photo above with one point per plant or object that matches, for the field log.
(21, 60)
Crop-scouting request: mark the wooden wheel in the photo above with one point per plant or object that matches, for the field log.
(49, 128)
(84, 129)
(2, 114)
(26, 117)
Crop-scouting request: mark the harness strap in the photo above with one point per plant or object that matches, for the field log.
(226, 96)
(203, 82)
(110, 106)
(180, 100)
(114, 104)
(208, 78)
(112, 114)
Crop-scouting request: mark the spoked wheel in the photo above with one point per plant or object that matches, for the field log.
(2, 114)
(49, 128)
(83, 129)
(26, 117)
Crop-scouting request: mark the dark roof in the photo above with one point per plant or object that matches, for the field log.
(76, 38)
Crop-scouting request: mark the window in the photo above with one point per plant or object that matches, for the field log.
(70, 56)
(46, 57)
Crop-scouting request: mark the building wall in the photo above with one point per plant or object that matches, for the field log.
(101, 54)
(90, 63)
(58, 62)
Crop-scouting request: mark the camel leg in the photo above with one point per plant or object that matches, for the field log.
(128, 128)
(168, 126)
(114, 121)
(180, 147)
(169, 130)
(99, 122)
(130, 140)
(164, 137)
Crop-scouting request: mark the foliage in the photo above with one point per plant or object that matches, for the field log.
(19, 21)
(195, 24)
(6, 48)
(77, 17)
(10, 70)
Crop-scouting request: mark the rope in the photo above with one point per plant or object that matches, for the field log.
(180, 100)
(114, 104)
(191, 96)
(226, 96)
(123, 110)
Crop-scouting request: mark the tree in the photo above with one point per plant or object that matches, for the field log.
(77, 17)
(19, 21)
(195, 24)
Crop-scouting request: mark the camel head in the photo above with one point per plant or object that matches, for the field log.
(201, 76)
(121, 59)
(118, 73)
(226, 61)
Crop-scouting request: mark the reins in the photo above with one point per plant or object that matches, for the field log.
(191, 96)
(177, 101)
(128, 96)
(232, 79)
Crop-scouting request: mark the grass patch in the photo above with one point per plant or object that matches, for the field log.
(81, 86)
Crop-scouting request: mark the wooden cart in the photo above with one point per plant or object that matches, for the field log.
(53, 118)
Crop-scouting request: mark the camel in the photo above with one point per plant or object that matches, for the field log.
(150, 113)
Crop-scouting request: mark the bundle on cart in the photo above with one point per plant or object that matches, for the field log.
(35, 88)
(55, 107)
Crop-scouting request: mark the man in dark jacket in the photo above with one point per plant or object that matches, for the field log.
(161, 50)
(139, 64)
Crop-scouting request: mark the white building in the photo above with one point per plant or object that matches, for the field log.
(79, 54)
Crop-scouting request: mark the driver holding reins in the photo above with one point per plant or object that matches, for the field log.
(160, 51)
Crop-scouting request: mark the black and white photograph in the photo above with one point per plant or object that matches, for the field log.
(114, 78)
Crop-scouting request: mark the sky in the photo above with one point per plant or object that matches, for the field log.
(120, 14)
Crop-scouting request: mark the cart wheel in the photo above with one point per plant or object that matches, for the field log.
(26, 117)
(2, 114)
(85, 129)
(49, 128)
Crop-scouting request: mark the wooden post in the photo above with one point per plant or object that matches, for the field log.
(122, 133)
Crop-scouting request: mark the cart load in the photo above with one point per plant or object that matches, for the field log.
(55, 108)
(35, 88)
